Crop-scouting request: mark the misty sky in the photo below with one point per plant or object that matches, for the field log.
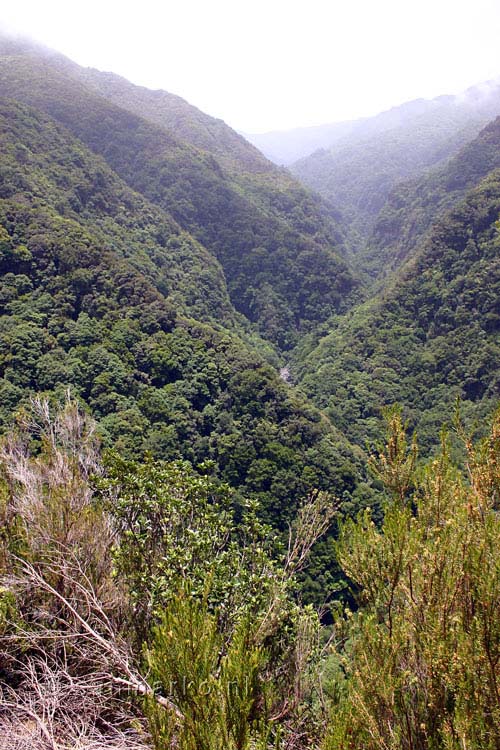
(276, 64)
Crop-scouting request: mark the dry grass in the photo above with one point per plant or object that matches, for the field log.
(53, 710)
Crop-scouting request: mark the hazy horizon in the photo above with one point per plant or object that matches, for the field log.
(270, 68)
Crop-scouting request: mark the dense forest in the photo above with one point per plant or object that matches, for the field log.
(249, 448)
(431, 336)
(359, 171)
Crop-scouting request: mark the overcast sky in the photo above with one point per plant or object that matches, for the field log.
(276, 64)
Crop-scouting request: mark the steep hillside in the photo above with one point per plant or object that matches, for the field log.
(42, 162)
(358, 172)
(175, 114)
(160, 107)
(412, 206)
(274, 191)
(165, 478)
(431, 336)
(278, 249)
(96, 289)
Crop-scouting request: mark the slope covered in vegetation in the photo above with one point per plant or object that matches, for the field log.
(428, 337)
(358, 172)
(420, 664)
(279, 251)
(161, 529)
(180, 624)
(103, 293)
(413, 206)
(290, 146)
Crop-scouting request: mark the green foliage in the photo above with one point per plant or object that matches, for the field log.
(102, 292)
(219, 687)
(228, 648)
(153, 585)
(142, 269)
(156, 585)
(57, 171)
(260, 218)
(421, 655)
(357, 174)
(430, 336)
(97, 299)
(413, 206)
(178, 529)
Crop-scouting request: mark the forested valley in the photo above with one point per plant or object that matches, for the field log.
(250, 438)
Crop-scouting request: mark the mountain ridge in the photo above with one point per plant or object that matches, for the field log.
(282, 229)
(112, 318)
(281, 147)
(357, 175)
(412, 206)
(431, 333)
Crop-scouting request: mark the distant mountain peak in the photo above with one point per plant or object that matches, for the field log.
(288, 146)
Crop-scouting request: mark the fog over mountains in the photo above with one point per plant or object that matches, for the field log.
(288, 146)
(230, 517)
